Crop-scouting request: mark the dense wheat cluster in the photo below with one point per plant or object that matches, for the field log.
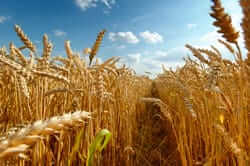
(47, 100)
(52, 108)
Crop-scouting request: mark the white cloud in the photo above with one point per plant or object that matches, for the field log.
(151, 61)
(85, 4)
(3, 19)
(121, 47)
(108, 3)
(128, 37)
(206, 40)
(151, 37)
(210, 37)
(139, 18)
(161, 53)
(107, 12)
(37, 41)
(134, 58)
(59, 33)
(191, 26)
(173, 54)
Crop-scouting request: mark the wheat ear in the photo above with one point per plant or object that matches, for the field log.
(227, 45)
(96, 46)
(25, 39)
(10, 63)
(216, 50)
(197, 54)
(20, 141)
(224, 22)
(68, 49)
(3, 51)
(18, 53)
(47, 47)
(213, 56)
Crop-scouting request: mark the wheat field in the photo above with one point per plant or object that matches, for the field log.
(70, 110)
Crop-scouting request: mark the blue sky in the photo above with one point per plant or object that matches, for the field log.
(144, 33)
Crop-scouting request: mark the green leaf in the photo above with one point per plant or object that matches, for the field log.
(100, 142)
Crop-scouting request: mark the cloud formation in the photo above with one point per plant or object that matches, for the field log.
(191, 26)
(151, 37)
(210, 37)
(3, 19)
(85, 4)
(108, 3)
(121, 46)
(59, 33)
(134, 58)
(128, 37)
(151, 61)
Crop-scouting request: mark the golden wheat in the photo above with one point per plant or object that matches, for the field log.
(25, 39)
(20, 141)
